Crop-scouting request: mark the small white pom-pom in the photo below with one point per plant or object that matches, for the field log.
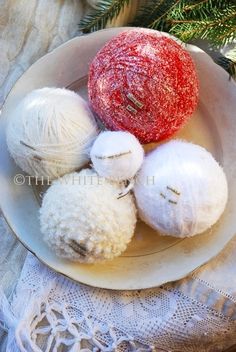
(117, 155)
(50, 132)
(83, 220)
(181, 190)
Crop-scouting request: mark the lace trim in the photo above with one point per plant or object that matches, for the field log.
(48, 326)
(52, 313)
(205, 300)
(233, 299)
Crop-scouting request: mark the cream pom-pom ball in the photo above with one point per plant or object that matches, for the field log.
(117, 155)
(181, 190)
(50, 132)
(83, 220)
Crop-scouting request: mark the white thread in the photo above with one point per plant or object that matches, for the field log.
(50, 132)
(117, 155)
(83, 220)
(188, 192)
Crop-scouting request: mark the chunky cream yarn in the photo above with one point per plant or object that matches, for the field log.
(117, 155)
(181, 190)
(83, 220)
(50, 132)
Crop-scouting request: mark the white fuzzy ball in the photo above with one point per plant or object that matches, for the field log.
(83, 220)
(50, 132)
(181, 190)
(117, 155)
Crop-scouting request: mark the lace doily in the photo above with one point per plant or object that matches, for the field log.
(51, 313)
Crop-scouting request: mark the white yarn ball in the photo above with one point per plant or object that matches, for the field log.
(83, 220)
(117, 155)
(181, 190)
(50, 132)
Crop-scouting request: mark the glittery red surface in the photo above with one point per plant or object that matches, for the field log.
(145, 66)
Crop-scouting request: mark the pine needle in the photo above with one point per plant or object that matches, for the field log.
(106, 11)
(228, 62)
(213, 20)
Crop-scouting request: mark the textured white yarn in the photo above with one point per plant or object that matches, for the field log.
(83, 219)
(117, 155)
(181, 190)
(28, 35)
(50, 132)
(50, 313)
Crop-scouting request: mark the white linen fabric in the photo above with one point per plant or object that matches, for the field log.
(30, 29)
(47, 312)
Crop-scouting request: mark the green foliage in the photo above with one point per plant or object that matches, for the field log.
(211, 20)
(106, 11)
(155, 14)
(228, 62)
(214, 20)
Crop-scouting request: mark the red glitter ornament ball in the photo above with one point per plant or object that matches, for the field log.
(143, 82)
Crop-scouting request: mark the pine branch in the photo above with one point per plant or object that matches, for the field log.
(213, 20)
(106, 11)
(159, 20)
(191, 7)
(217, 25)
(227, 64)
(153, 15)
(231, 54)
(158, 13)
